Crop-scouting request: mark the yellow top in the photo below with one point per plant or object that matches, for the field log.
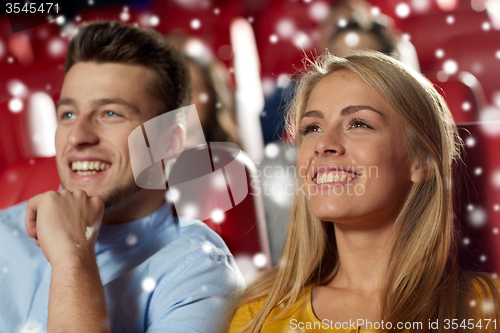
(301, 318)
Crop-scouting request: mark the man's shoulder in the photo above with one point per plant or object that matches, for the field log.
(13, 213)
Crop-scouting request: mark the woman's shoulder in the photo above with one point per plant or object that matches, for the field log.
(248, 311)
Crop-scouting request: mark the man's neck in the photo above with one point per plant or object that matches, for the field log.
(137, 206)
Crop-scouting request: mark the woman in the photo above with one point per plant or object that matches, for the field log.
(371, 235)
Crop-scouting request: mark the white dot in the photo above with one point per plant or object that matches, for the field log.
(195, 24)
(478, 171)
(351, 39)
(125, 8)
(406, 36)
(319, 11)
(272, 150)
(497, 54)
(420, 5)
(148, 284)
(17, 89)
(57, 47)
(466, 106)
(489, 117)
(90, 2)
(496, 179)
(154, 20)
(273, 39)
(486, 26)
(5, 270)
(470, 142)
(190, 211)
(496, 207)
(442, 76)
(125, 16)
(301, 40)
(203, 97)
(10, 60)
(207, 247)
(250, 19)
(342, 22)
(477, 217)
(439, 53)
(375, 11)
(466, 241)
(173, 194)
(15, 232)
(131, 239)
(450, 67)
(450, 19)
(470, 207)
(472, 303)
(482, 258)
(307, 1)
(216, 11)
(259, 260)
(217, 216)
(495, 231)
(285, 28)
(60, 20)
(15, 105)
(78, 18)
(402, 10)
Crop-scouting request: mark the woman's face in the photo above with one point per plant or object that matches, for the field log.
(353, 160)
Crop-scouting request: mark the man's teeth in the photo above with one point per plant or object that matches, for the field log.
(89, 167)
(331, 178)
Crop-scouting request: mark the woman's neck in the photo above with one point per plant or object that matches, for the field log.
(363, 258)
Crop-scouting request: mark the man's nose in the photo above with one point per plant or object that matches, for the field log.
(83, 133)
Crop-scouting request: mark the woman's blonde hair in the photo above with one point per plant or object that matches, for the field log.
(423, 280)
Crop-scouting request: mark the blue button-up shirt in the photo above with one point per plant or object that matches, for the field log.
(157, 276)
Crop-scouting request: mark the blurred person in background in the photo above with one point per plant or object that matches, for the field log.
(112, 256)
(212, 93)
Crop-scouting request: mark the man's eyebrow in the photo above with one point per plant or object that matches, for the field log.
(355, 108)
(65, 101)
(105, 101)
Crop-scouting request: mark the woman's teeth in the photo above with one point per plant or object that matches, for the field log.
(332, 178)
(89, 167)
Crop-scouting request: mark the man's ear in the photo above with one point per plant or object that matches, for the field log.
(175, 141)
(420, 169)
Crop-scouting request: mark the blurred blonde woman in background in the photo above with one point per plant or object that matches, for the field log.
(371, 235)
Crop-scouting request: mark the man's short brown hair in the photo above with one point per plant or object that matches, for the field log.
(115, 42)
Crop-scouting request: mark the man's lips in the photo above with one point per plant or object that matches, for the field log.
(88, 165)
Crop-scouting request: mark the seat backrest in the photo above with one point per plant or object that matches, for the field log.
(26, 178)
(478, 197)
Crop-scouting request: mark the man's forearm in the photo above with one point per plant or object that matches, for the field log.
(77, 302)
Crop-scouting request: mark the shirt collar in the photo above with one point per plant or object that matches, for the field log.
(134, 232)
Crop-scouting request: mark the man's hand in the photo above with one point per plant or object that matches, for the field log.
(65, 225)
(58, 221)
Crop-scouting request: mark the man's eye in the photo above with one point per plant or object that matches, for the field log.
(68, 115)
(111, 114)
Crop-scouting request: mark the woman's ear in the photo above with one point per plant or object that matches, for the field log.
(420, 169)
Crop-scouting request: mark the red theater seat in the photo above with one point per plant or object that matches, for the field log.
(477, 53)
(431, 32)
(26, 178)
(478, 208)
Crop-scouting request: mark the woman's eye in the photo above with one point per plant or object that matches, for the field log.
(359, 123)
(309, 129)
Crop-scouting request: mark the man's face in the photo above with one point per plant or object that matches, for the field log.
(100, 105)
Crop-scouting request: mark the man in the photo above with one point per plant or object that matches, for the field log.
(110, 255)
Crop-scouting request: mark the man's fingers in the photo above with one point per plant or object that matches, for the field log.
(30, 219)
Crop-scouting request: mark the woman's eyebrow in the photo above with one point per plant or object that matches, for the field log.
(312, 114)
(355, 108)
